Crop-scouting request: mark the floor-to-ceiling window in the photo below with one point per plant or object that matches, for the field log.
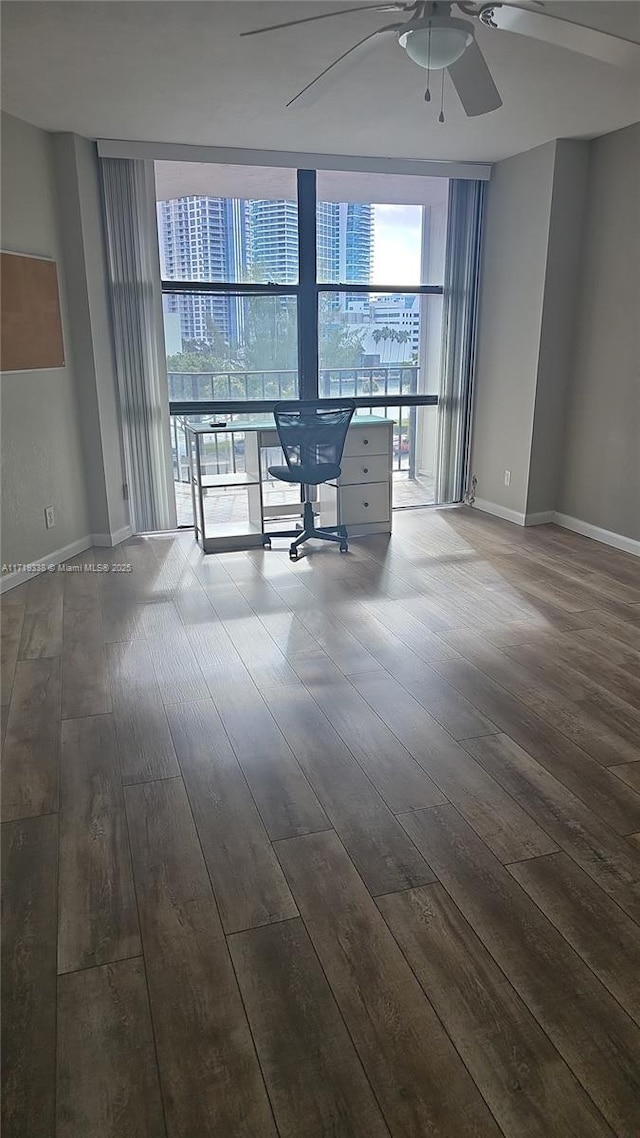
(301, 284)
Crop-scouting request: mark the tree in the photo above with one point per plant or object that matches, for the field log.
(266, 356)
(339, 344)
(392, 335)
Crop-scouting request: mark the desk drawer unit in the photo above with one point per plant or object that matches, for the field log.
(367, 440)
(364, 504)
(368, 468)
(364, 487)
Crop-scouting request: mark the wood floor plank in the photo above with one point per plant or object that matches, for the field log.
(41, 634)
(503, 824)
(159, 619)
(548, 687)
(629, 773)
(248, 882)
(395, 774)
(593, 1034)
(145, 747)
(605, 937)
(215, 652)
(528, 1087)
(611, 648)
(418, 1078)
(80, 587)
(107, 1083)
(11, 620)
(209, 1071)
(626, 631)
(447, 706)
(589, 659)
(34, 712)
(29, 871)
(603, 855)
(85, 682)
(286, 802)
(121, 620)
(589, 725)
(259, 653)
(314, 1077)
(177, 672)
(97, 920)
(29, 777)
(346, 651)
(410, 630)
(554, 751)
(371, 834)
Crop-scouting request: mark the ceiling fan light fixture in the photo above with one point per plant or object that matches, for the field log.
(449, 40)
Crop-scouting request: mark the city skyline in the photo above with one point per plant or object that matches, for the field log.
(229, 239)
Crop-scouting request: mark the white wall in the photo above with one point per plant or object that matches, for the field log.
(512, 286)
(42, 460)
(558, 331)
(600, 482)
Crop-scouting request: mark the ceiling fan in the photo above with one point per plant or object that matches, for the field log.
(439, 42)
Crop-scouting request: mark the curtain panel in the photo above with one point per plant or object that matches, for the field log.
(459, 333)
(136, 303)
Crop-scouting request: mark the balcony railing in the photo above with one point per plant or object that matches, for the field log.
(391, 380)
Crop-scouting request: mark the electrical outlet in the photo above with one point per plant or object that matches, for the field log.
(49, 517)
(507, 477)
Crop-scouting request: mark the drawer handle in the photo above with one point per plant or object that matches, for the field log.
(365, 469)
(366, 442)
(366, 505)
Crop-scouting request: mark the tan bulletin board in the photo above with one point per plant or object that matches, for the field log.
(30, 325)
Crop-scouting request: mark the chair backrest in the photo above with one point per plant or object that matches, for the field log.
(311, 433)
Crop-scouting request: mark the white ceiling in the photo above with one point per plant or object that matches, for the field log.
(177, 71)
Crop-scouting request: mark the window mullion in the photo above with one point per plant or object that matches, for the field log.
(308, 287)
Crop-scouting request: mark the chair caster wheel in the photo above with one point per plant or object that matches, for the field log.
(293, 554)
(344, 548)
(266, 545)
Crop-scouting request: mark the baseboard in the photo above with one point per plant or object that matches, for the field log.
(107, 540)
(596, 533)
(18, 576)
(503, 512)
(102, 540)
(551, 517)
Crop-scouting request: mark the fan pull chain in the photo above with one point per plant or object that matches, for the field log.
(427, 94)
(441, 115)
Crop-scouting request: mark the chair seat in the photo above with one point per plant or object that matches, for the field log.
(311, 475)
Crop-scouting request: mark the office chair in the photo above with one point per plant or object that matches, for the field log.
(312, 436)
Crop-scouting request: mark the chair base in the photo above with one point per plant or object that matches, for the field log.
(309, 530)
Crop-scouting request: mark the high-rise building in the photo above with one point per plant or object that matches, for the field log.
(273, 241)
(203, 239)
(224, 239)
(344, 249)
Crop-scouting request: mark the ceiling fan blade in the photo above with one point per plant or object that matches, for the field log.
(472, 80)
(354, 54)
(328, 15)
(562, 33)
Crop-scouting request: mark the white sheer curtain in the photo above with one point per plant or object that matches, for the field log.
(460, 316)
(132, 243)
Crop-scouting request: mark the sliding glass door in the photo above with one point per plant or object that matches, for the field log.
(284, 284)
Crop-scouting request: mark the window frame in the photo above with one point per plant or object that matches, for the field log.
(307, 293)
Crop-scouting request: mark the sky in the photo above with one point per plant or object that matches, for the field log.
(397, 236)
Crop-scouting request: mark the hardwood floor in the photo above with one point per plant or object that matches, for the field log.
(343, 848)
